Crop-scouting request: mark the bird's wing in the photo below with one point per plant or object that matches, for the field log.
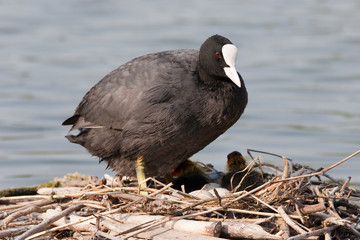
(126, 94)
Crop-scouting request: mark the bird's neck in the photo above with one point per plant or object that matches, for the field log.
(206, 79)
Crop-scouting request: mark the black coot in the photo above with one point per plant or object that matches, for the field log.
(163, 107)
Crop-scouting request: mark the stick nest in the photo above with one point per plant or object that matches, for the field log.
(295, 202)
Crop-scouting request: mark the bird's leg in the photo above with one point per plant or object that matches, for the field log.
(140, 172)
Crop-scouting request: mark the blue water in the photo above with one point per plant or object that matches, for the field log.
(300, 61)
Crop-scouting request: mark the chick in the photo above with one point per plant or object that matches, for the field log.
(236, 173)
(190, 174)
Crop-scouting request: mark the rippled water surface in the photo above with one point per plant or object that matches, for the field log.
(300, 61)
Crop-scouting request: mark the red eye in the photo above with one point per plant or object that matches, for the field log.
(218, 55)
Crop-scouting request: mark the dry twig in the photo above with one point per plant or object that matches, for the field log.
(256, 214)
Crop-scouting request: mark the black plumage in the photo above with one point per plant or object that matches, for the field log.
(190, 174)
(164, 107)
(238, 175)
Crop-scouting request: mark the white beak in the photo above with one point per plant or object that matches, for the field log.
(229, 52)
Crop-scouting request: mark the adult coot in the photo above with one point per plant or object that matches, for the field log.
(161, 107)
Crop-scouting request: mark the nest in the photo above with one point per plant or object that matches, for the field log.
(295, 202)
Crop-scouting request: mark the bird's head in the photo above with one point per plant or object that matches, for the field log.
(218, 58)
